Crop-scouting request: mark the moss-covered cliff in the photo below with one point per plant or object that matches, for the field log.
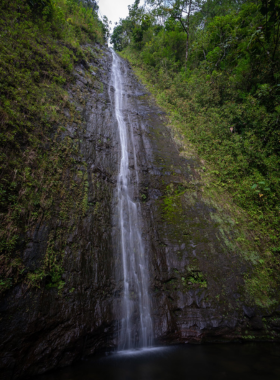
(60, 275)
(42, 169)
(56, 185)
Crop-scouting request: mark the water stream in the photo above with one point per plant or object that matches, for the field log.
(136, 358)
(135, 320)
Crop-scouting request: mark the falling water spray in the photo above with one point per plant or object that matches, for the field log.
(135, 320)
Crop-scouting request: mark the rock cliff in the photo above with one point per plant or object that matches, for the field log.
(198, 266)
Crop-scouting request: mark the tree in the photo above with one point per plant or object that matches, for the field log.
(38, 7)
(106, 27)
(180, 10)
(90, 4)
(120, 37)
(131, 28)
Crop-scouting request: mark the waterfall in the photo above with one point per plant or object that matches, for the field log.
(135, 319)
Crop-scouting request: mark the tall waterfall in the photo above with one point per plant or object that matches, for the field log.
(136, 323)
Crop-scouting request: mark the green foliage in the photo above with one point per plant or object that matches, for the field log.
(38, 51)
(118, 38)
(106, 28)
(194, 277)
(5, 284)
(226, 102)
(171, 206)
(41, 8)
(131, 29)
(51, 269)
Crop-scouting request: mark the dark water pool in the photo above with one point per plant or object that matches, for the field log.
(236, 361)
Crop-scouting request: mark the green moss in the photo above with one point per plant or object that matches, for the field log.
(246, 225)
(85, 197)
(51, 267)
(260, 286)
(172, 203)
(194, 276)
(40, 167)
(5, 284)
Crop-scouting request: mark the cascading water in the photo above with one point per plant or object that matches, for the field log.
(136, 323)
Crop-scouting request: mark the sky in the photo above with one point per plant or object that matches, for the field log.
(115, 9)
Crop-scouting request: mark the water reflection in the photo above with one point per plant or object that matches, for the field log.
(249, 361)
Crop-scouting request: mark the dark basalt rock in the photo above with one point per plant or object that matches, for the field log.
(43, 328)
(36, 247)
(248, 311)
(196, 273)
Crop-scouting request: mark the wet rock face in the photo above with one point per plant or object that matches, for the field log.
(44, 328)
(196, 266)
(196, 272)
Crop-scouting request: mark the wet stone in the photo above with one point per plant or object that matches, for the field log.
(43, 328)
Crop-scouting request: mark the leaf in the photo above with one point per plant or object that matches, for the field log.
(267, 189)
(261, 183)
(254, 186)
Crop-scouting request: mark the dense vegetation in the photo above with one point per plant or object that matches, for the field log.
(40, 42)
(214, 66)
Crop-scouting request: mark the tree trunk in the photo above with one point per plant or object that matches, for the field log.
(187, 47)
(188, 29)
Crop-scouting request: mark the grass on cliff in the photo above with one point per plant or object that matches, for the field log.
(224, 100)
(39, 46)
(235, 163)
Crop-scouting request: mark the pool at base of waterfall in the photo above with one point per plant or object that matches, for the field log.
(250, 361)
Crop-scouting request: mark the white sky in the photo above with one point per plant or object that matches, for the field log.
(115, 9)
